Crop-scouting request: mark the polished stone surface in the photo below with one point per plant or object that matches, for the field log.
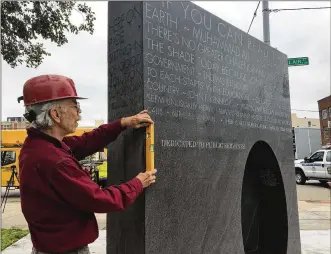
(221, 105)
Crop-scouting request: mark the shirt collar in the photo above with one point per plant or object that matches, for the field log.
(35, 133)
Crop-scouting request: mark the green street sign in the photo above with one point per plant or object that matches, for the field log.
(298, 61)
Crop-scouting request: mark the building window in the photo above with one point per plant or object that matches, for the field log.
(324, 114)
(326, 133)
(330, 112)
(309, 123)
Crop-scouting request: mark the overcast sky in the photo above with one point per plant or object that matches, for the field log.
(303, 33)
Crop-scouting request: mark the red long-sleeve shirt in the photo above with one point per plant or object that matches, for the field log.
(58, 197)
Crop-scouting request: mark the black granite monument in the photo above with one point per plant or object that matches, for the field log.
(223, 144)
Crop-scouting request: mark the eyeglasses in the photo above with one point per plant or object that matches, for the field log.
(77, 107)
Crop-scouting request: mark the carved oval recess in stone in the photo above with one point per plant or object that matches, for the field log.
(264, 219)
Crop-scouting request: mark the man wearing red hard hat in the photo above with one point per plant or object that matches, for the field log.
(58, 197)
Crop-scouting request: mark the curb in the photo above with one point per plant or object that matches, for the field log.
(317, 201)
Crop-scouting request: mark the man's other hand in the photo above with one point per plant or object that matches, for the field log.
(142, 119)
(147, 178)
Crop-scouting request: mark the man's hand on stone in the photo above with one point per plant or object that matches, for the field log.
(147, 178)
(142, 119)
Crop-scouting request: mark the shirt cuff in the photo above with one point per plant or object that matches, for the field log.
(122, 128)
(136, 183)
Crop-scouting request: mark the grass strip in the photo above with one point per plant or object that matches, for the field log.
(11, 235)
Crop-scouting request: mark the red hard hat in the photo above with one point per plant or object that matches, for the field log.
(45, 88)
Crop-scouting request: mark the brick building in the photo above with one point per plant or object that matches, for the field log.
(324, 108)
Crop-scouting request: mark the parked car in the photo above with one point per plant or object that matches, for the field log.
(316, 167)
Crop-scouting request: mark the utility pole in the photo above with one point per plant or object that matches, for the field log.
(266, 25)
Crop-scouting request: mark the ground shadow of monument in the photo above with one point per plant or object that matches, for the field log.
(263, 204)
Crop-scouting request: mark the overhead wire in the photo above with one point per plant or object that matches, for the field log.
(305, 110)
(287, 9)
(278, 10)
(296, 9)
(254, 15)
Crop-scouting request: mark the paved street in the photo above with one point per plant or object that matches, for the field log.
(314, 191)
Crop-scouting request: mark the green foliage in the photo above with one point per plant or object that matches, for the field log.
(25, 24)
(10, 236)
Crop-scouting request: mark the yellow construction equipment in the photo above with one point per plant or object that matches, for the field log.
(11, 143)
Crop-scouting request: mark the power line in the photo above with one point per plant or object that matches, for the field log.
(304, 110)
(254, 15)
(296, 9)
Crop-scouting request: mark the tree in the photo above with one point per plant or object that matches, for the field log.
(25, 24)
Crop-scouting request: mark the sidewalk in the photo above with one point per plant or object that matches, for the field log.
(312, 242)
(315, 241)
(314, 216)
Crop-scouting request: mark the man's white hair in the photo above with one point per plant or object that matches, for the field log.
(43, 120)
